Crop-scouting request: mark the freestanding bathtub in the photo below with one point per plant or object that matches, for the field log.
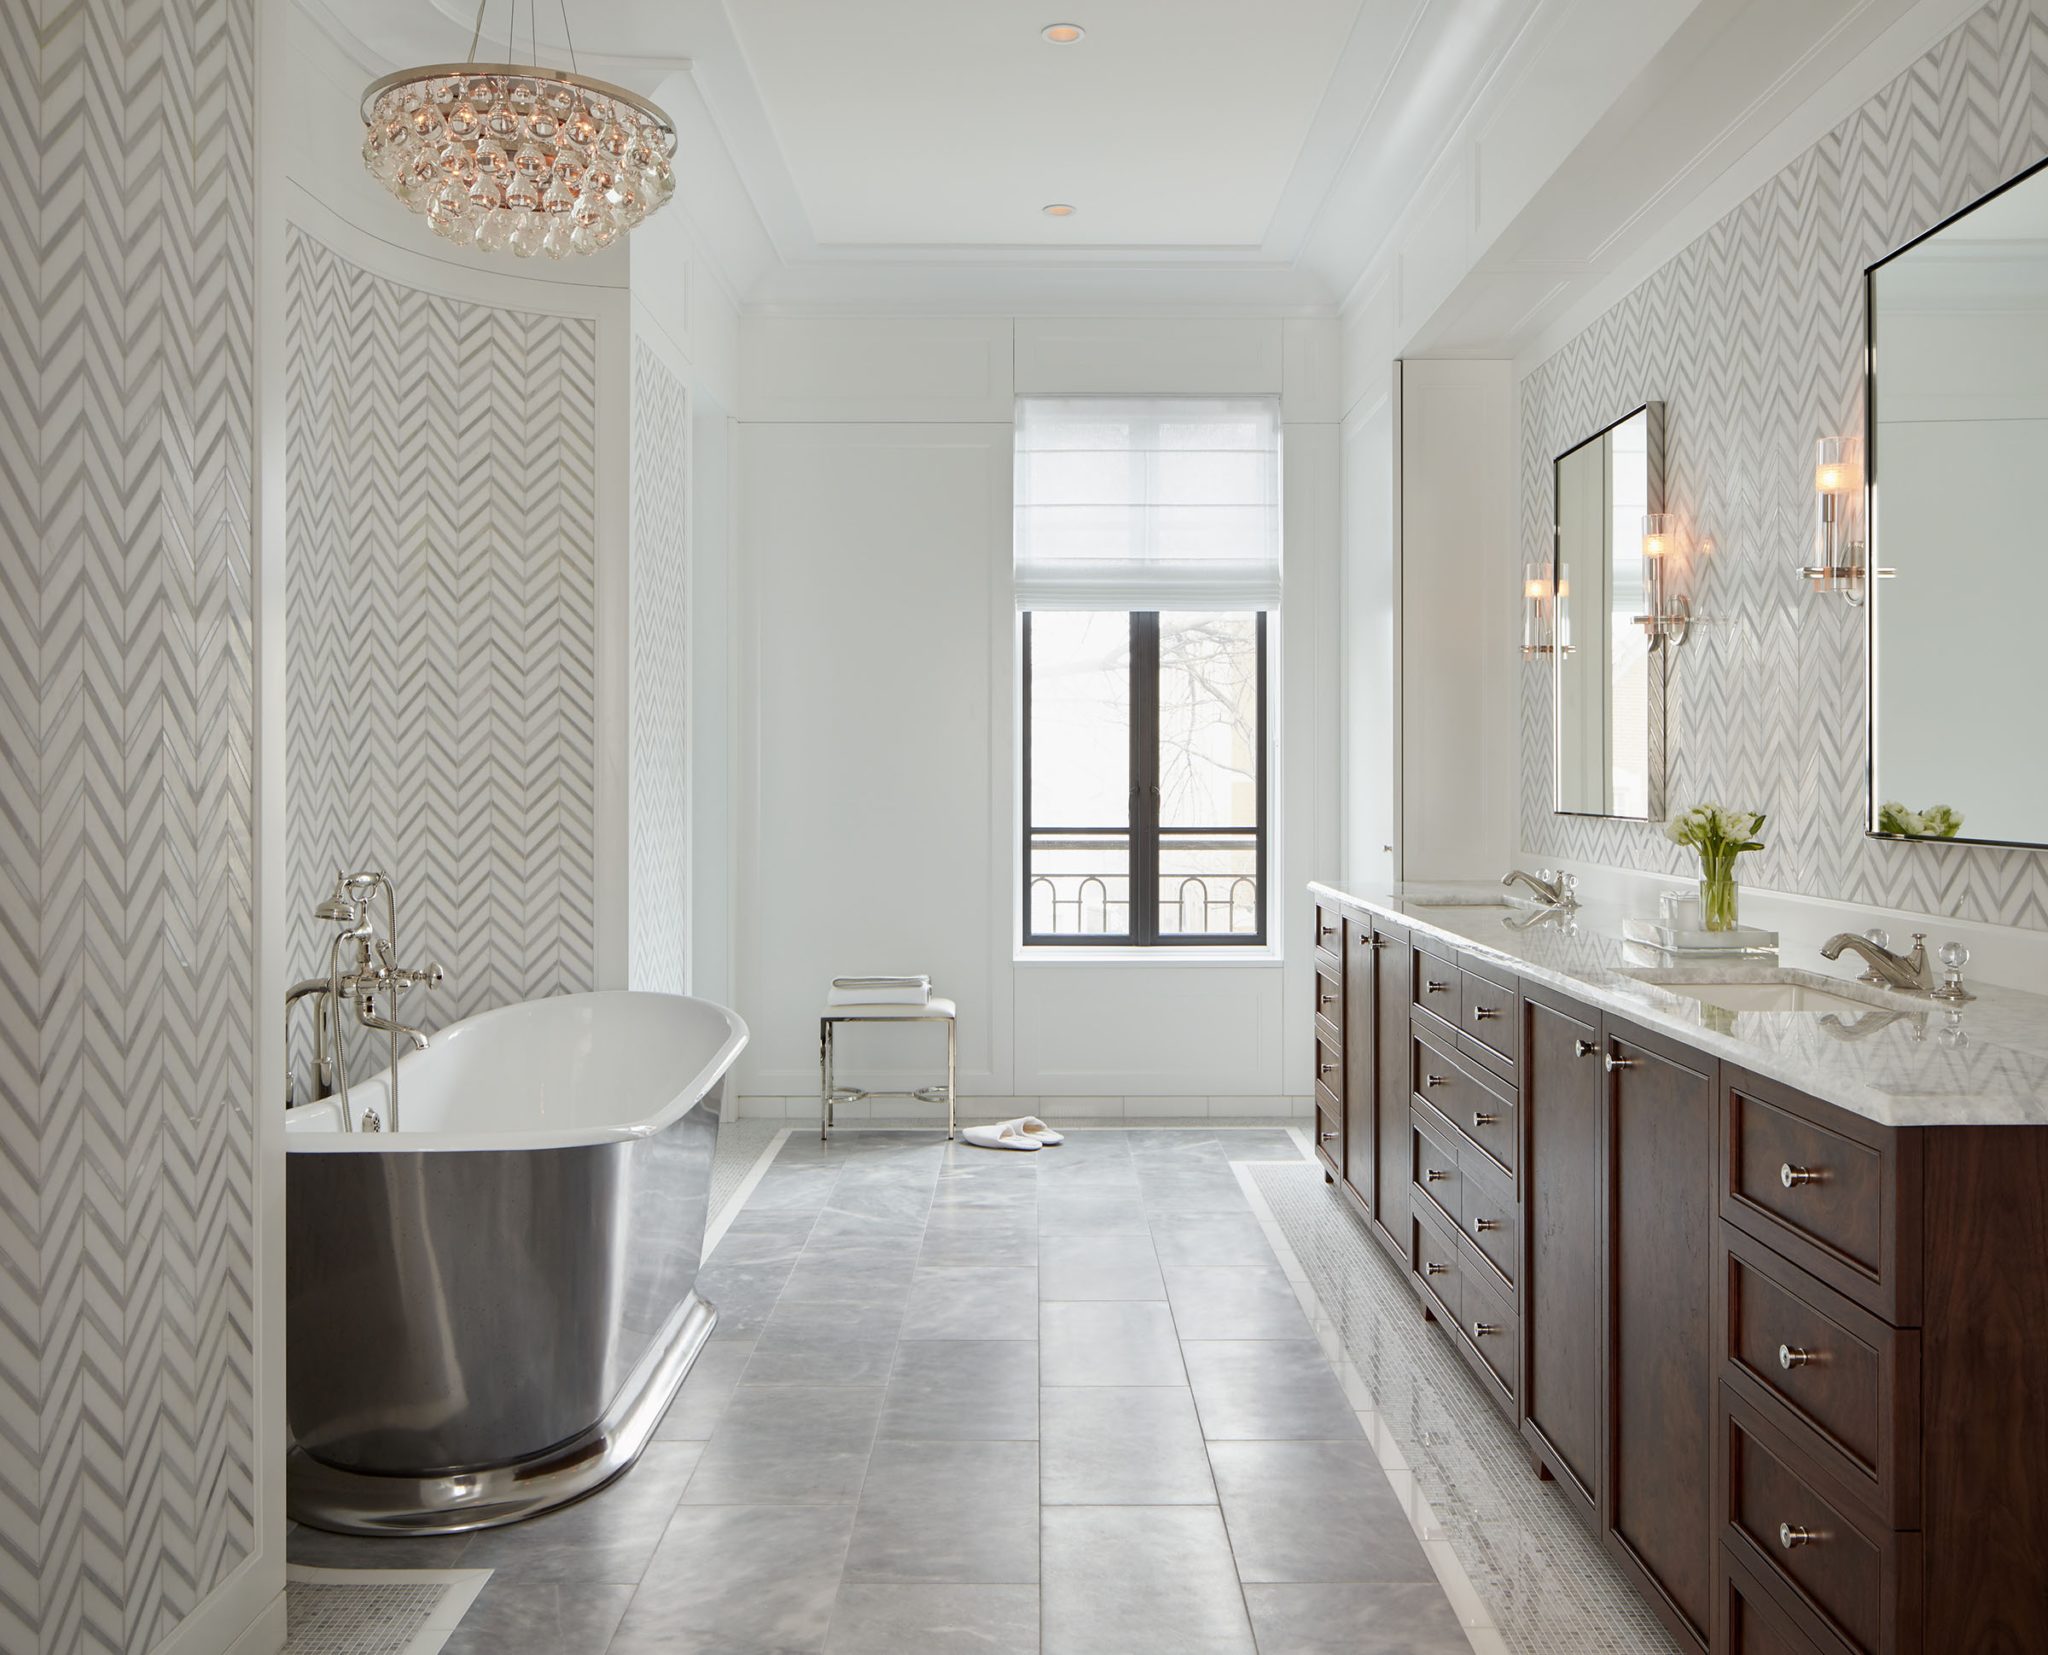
(489, 1311)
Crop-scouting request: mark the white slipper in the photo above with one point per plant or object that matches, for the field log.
(1033, 1127)
(1003, 1135)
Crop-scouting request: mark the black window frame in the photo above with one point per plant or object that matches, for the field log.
(1143, 830)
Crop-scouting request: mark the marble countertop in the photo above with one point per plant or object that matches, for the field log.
(1907, 1061)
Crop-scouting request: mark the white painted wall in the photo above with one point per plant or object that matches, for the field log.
(1370, 645)
(876, 713)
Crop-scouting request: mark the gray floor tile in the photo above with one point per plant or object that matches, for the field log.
(973, 1303)
(825, 1344)
(510, 1618)
(794, 1189)
(959, 1390)
(706, 1391)
(935, 1620)
(1235, 1302)
(318, 1549)
(1191, 1190)
(1213, 1239)
(1267, 1390)
(1090, 1212)
(1314, 1511)
(1118, 1446)
(1098, 1267)
(822, 1278)
(1140, 1580)
(881, 1233)
(957, 1237)
(1108, 1344)
(788, 1445)
(750, 1219)
(604, 1540)
(777, 1243)
(1398, 1619)
(731, 1579)
(947, 1513)
(742, 1294)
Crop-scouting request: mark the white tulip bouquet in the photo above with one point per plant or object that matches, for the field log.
(1719, 836)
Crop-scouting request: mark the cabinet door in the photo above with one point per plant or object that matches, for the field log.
(1562, 1091)
(1361, 1142)
(1660, 1208)
(1390, 1165)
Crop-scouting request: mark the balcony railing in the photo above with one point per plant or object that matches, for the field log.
(1080, 886)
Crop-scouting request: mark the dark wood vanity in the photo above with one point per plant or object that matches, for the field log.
(1788, 1365)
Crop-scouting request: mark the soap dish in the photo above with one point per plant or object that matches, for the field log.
(1744, 939)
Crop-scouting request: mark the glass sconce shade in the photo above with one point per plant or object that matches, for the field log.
(1545, 628)
(1666, 617)
(1837, 564)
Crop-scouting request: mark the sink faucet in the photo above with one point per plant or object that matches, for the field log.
(1909, 972)
(1551, 888)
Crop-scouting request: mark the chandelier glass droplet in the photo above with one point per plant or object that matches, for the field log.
(516, 157)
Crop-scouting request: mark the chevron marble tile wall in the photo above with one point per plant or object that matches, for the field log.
(1753, 338)
(127, 844)
(441, 629)
(658, 791)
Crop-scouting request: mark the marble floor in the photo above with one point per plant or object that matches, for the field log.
(1088, 1401)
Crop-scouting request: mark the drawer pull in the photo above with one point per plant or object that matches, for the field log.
(1326, 1068)
(1586, 1048)
(1614, 1062)
(1484, 1120)
(1325, 1137)
(1485, 1330)
(1480, 1226)
(1792, 1356)
(1436, 1269)
(1325, 1000)
(1437, 988)
(1323, 931)
(1434, 1175)
(1792, 1177)
(1485, 1014)
(1436, 1080)
(1373, 942)
(1792, 1537)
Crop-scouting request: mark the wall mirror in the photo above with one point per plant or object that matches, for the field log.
(1957, 447)
(1609, 676)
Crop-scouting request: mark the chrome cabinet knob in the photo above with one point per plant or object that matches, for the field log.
(1485, 1330)
(1481, 1226)
(1429, 1269)
(1436, 1080)
(1585, 1048)
(1792, 1537)
(1792, 1177)
(1436, 987)
(1326, 1068)
(1791, 1356)
(1434, 1175)
(1484, 1120)
(1485, 1014)
(1612, 1062)
(1326, 1136)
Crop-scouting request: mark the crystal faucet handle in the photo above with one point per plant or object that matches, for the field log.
(1879, 935)
(1954, 955)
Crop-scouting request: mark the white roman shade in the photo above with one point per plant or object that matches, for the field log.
(1148, 503)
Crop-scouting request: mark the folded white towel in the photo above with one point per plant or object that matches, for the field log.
(879, 996)
(918, 981)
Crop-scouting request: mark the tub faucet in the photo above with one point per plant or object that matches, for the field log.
(1909, 972)
(1551, 888)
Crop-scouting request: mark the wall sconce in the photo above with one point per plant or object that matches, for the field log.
(1837, 541)
(1668, 616)
(1546, 622)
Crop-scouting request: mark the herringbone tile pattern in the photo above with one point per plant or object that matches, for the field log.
(659, 791)
(1753, 337)
(441, 620)
(127, 717)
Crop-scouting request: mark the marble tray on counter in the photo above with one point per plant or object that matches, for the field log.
(1744, 939)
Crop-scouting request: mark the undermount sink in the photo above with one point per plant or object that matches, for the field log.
(1464, 912)
(1789, 991)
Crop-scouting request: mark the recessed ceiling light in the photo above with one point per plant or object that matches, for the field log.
(1063, 34)
(1057, 209)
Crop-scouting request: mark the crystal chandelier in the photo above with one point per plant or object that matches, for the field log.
(507, 155)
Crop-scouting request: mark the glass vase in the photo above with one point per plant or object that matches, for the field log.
(1720, 899)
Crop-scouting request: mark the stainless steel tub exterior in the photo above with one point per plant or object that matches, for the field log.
(458, 1320)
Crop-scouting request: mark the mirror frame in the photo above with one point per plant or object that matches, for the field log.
(1658, 731)
(1871, 584)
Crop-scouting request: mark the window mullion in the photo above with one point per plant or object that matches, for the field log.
(1144, 925)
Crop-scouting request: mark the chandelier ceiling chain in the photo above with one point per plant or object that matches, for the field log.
(516, 156)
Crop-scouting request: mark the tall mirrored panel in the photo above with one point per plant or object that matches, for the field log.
(1958, 449)
(1610, 680)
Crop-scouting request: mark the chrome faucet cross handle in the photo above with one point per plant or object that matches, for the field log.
(1553, 889)
(1909, 972)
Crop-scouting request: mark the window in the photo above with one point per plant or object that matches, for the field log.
(1144, 771)
(1147, 560)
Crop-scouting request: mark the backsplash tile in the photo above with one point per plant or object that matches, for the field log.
(1753, 338)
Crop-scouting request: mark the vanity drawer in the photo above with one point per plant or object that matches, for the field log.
(1478, 1105)
(1491, 1225)
(1834, 1196)
(1328, 1138)
(1330, 930)
(1490, 1017)
(1489, 1324)
(1842, 1384)
(1330, 1002)
(1329, 1073)
(1752, 1620)
(1433, 1257)
(1435, 983)
(1857, 1577)
(1433, 1168)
